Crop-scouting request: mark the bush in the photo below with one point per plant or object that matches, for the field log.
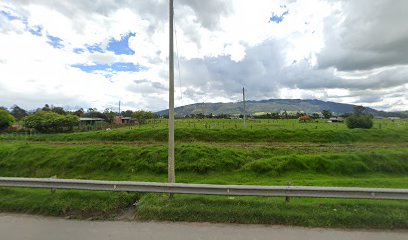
(141, 116)
(6, 119)
(362, 121)
(50, 122)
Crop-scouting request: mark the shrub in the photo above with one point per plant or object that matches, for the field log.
(6, 119)
(293, 164)
(263, 165)
(142, 116)
(47, 122)
(361, 121)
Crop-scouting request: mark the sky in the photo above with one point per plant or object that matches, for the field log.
(96, 53)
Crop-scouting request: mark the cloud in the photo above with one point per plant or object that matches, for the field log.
(93, 54)
(210, 12)
(363, 35)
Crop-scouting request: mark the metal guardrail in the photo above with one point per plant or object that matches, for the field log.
(208, 189)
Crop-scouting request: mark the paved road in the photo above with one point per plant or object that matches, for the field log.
(19, 227)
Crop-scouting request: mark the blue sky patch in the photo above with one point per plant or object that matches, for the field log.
(78, 50)
(121, 47)
(8, 15)
(94, 48)
(278, 18)
(115, 67)
(56, 42)
(36, 30)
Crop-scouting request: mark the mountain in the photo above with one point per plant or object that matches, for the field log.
(271, 105)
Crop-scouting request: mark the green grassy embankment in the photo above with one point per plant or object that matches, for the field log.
(75, 204)
(301, 212)
(321, 157)
(127, 162)
(149, 135)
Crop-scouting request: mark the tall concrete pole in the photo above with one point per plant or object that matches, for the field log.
(171, 168)
(243, 99)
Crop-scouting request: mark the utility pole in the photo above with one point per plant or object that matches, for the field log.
(171, 168)
(119, 109)
(243, 97)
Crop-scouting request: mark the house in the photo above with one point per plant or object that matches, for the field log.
(336, 120)
(127, 120)
(123, 120)
(16, 127)
(91, 121)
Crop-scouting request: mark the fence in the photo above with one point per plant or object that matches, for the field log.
(208, 189)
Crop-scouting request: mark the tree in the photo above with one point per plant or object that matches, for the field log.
(359, 119)
(46, 108)
(6, 119)
(47, 122)
(109, 116)
(327, 114)
(300, 114)
(275, 115)
(58, 110)
(315, 116)
(93, 113)
(359, 110)
(141, 116)
(284, 115)
(80, 112)
(127, 113)
(18, 112)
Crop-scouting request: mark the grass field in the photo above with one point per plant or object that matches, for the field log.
(272, 152)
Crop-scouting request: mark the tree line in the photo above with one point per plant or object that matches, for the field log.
(271, 115)
(50, 119)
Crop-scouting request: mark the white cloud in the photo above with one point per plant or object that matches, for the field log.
(346, 51)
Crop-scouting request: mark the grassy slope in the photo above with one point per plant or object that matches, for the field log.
(229, 135)
(126, 162)
(303, 212)
(80, 155)
(77, 204)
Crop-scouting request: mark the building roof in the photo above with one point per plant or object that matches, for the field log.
(91, 119)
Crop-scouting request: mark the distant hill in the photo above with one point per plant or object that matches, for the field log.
(272, 105)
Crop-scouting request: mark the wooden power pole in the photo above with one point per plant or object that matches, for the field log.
(171, 168)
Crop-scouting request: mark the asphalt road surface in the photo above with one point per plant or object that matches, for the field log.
(19, 227)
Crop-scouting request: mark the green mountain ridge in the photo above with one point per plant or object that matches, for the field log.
(274, 105)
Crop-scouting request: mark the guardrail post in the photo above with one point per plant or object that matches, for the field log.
(287, 198)
(53, 190)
